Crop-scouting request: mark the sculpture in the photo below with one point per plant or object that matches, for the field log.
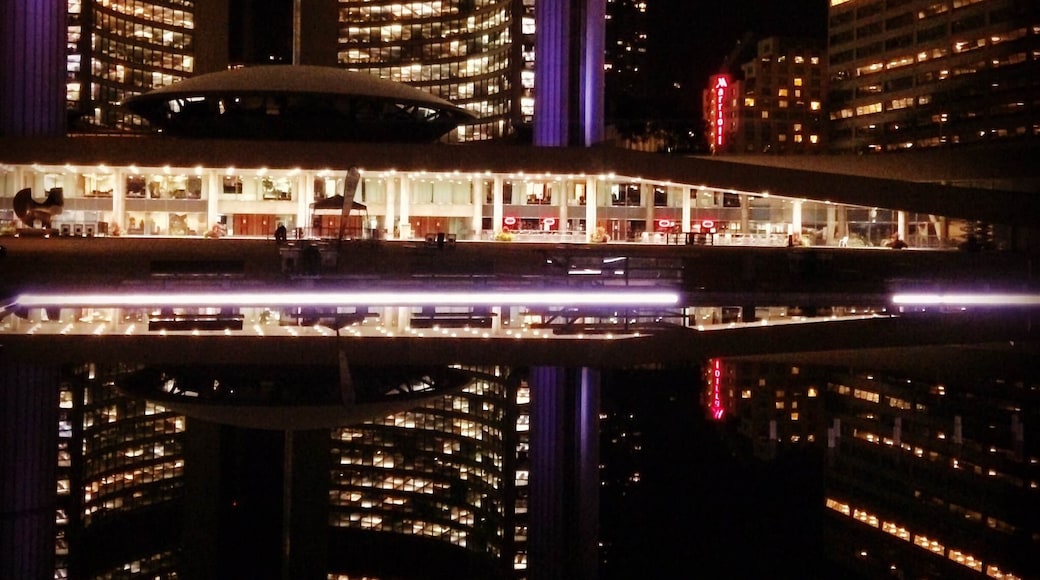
(30, 211)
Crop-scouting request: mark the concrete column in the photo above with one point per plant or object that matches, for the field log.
(391, 207)
(796, 219)
(304, 199)
(496, 208)
(564, 484)
(118, 201)
(745, 214)
(28, 469)
(687, 214)
(647, 196)
(561, 199)
(405, 224)
(591, 205)
(901, 224)
(476, 188)
(832, 226)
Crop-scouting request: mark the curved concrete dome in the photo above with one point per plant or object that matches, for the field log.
(297, 103)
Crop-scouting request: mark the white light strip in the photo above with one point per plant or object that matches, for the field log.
(965, 299)
(289, 299)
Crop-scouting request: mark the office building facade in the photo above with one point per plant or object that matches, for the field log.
(912, 74)
(479, 55)
(923, 477)
(944, 471)
(776, 107)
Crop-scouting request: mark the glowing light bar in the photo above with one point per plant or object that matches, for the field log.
(966, 299)
(331, 298)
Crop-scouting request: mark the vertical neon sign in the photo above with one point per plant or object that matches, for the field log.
(715, 386)
(721, 84)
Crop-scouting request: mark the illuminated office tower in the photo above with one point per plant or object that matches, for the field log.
(464, 51)
(775, 407)
(439, 482)
(776, 106)
(120, 482)
(119, 49)
(910, 74)
(930, 479)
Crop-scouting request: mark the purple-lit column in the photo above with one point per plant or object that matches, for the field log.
(28, 469)
(32, 68)
(563, 510)
(569, 72)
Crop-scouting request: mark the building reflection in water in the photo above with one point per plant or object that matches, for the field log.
(144, 492)
(922, 477)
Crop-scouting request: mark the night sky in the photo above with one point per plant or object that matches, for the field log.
(690, 39)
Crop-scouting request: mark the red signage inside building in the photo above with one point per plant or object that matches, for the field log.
(510, 223)
(665, 225)
(721, 83)
(550, 223)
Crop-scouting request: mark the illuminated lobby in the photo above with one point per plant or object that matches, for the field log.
(167, 187)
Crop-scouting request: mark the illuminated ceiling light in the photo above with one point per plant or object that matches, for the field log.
(229, 171)
(966, 299)
(618, 298)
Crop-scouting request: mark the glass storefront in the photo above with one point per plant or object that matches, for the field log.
(199, 201)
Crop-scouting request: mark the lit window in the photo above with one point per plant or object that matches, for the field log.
(794, 416)
(798, 82)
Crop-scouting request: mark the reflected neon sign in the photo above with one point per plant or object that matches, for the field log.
(715, 385)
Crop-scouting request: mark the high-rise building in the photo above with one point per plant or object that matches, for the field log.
(143, 491)
(910, 74)
(929, 467)
(626, 52)
(120, 481)
(933, 478)
(775, 106)
(466, 52)
(479, 55)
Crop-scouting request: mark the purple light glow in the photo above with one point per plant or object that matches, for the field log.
(291, 299)
(966, 299)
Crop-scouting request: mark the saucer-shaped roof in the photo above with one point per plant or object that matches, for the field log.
(297, 103)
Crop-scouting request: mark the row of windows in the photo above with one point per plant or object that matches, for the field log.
(113, 25)
(920, 540)
(938, 53)
(154, 12)
(489, 64)
(921, 36)
(931, 10)
(391, 10)
(489, 26)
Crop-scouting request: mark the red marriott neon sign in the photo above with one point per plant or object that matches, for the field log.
(721, 83)
(715, 390)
